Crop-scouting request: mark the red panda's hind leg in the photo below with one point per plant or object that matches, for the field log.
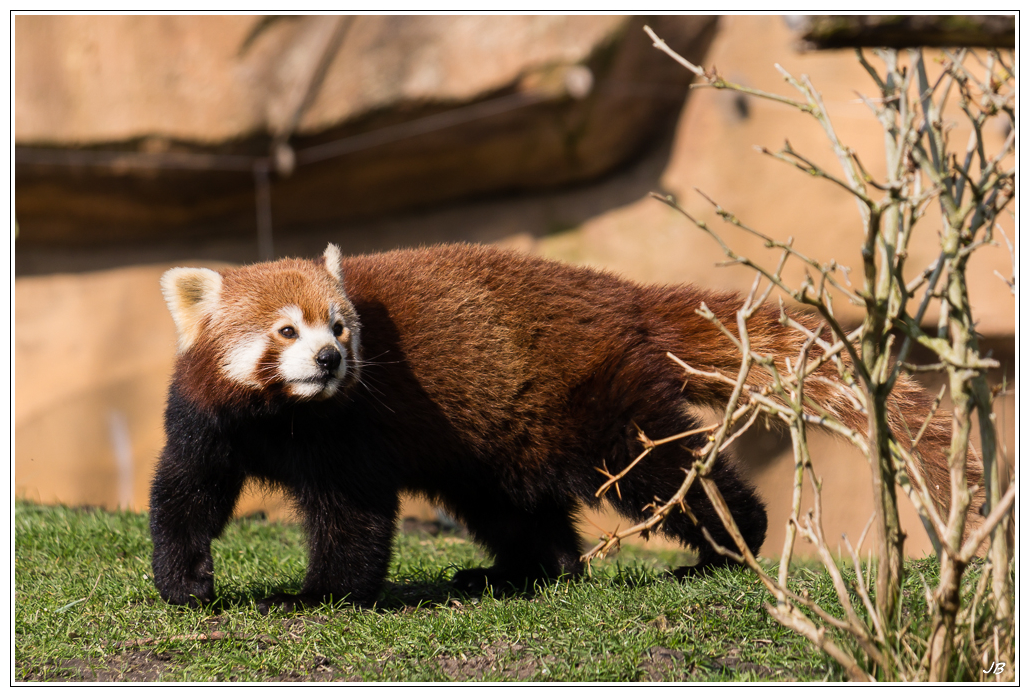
(657, 477)
(529, 543)
(748, 513)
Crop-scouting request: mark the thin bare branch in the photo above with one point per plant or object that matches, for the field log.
(977, 537)
(649, 445)
(799, 162)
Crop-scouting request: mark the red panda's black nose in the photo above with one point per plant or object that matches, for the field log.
(328, 359)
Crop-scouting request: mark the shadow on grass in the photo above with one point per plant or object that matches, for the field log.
(435, 589)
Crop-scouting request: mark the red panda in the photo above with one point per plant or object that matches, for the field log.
(493, 383)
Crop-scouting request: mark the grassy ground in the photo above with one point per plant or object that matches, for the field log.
(85, 609)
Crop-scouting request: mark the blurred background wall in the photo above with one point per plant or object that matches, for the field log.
(146, 142)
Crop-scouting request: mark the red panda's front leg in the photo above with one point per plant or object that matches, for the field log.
(186, 513)
(192, 497)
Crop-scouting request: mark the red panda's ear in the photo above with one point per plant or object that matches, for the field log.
(192, 295)
(333, 259)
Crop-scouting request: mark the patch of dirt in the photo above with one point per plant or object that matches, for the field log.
(132, 666)
(663, 664)
(434, 528)
(498, 660)
(661, 623)
(320, 670)
(150, 666)
(732, 663)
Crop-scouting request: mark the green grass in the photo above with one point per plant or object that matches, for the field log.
(85, 609)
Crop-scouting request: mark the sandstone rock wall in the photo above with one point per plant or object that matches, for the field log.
(140, 128)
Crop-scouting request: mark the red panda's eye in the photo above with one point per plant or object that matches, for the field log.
(338, 329)
(288, 332)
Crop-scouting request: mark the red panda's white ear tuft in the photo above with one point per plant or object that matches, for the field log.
(333, 259)
(192, 295)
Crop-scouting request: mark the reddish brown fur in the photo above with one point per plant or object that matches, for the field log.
(534, 298)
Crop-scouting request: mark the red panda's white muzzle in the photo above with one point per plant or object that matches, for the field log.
(313, 363)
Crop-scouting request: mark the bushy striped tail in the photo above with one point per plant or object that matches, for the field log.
(709, 350)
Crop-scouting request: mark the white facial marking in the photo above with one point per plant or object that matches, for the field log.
(292, 315)
(241, 363)
(297, 364)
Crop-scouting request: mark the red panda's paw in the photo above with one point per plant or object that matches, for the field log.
(703, 568)
(288, 602)
(194, 593)
(475, 581)
(472, 581)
